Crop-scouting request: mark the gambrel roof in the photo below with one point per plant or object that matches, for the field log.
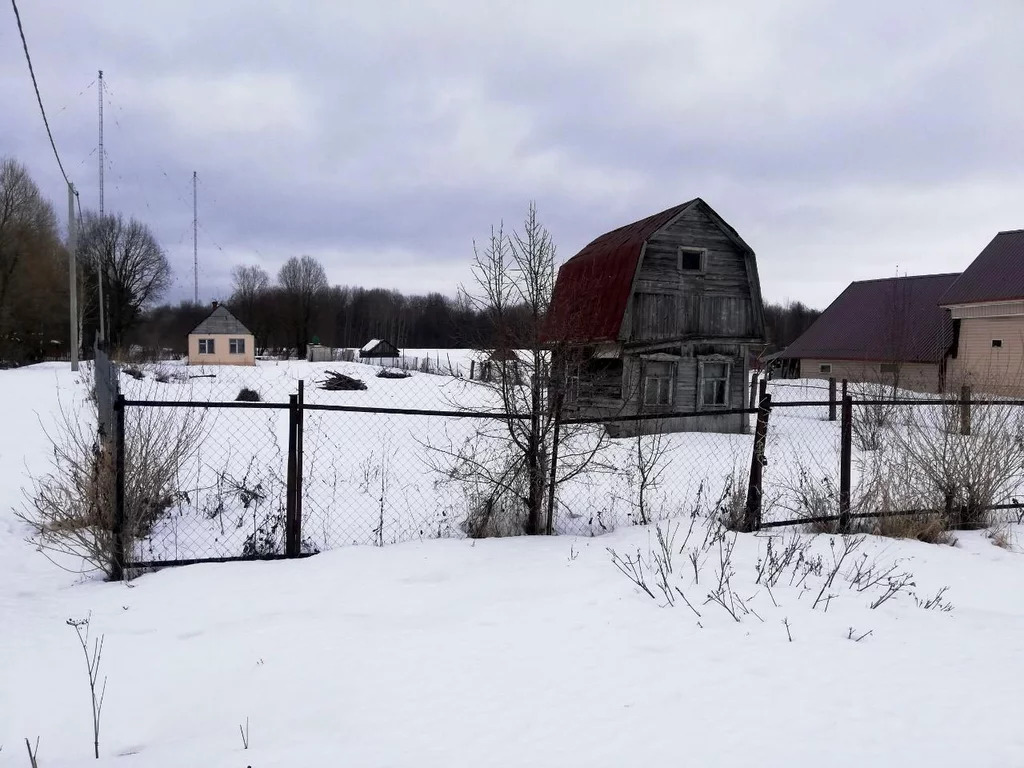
(593, 287)
(221, 322)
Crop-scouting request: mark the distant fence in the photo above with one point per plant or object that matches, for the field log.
(436, 364)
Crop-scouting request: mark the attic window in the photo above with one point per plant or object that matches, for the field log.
(691, 259)
(997, 342)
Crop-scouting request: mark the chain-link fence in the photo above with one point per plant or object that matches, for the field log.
(362, 455)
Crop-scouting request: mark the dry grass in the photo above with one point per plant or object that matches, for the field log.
(1001, 536)
(929, 528)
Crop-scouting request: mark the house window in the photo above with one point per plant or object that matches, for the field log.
(658, 379)
(206, 346)
(236, 346)
(889, 368)
(825, 368)
(691, 259)
(714, 384)
(997, 342)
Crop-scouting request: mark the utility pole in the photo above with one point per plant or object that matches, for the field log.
(101, 271)
(73, 275)
(195, 241)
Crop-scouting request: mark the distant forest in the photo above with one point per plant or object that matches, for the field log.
(349, 316)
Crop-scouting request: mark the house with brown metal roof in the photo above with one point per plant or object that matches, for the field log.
(890, 331)
(660, 316)
(986, 308)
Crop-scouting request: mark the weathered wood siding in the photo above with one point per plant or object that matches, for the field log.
(715, 302)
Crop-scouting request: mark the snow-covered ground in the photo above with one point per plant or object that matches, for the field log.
(512, 652)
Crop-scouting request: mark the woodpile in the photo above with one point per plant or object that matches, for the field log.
(336, 382)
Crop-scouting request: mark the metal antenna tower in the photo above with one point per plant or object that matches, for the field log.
(195, 241)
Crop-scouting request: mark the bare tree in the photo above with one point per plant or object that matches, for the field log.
(248, 282)
(132, 266)
(303, 282)
(507, 463)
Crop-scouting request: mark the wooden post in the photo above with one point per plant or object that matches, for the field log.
(291, 540)
(752, 518)
(117, 529)
(831, 398)
(753, 391)
(762, 390)
(845, 383)
(965, 409)
(472, 369)
(845, 464)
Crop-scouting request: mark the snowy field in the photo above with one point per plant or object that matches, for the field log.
(517, 651)
(385, 478)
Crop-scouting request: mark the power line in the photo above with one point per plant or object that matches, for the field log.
(39, 98)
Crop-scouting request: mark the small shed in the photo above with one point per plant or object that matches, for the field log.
(221, 339)
(379, 348)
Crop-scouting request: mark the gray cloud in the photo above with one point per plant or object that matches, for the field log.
(842, 140)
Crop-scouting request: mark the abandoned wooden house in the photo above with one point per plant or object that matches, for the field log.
(658, 316)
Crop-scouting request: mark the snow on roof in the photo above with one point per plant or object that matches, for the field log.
(369, 345)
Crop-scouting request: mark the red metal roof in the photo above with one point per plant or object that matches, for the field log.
(592, 289)
(896, 319)
(996, 275)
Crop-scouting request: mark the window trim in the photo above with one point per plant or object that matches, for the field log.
(207, 346)
(702, 254)
(714, 360)
(669, 378)
(236, 342)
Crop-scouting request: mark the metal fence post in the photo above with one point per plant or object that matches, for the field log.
(550, 526)
(300, 419)
(832, 398)
(291, 540)
(752, 518)
(965, 409)
(845, 464)
(117, 527)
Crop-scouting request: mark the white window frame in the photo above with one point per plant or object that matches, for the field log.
(236, 346)
(825, 368)
(661, 381)
(206, 347)
(713, 360)
(702, 254)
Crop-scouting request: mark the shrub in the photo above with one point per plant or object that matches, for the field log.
(392, 373)
(133, 371)
(247, 395)
(71, 509)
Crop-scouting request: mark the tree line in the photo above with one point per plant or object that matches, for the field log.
(122, 259)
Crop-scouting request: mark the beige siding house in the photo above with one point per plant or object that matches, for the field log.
(986, 306)
(221, 339)
(891, 331)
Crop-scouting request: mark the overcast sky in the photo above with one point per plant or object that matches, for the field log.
(843, 140)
